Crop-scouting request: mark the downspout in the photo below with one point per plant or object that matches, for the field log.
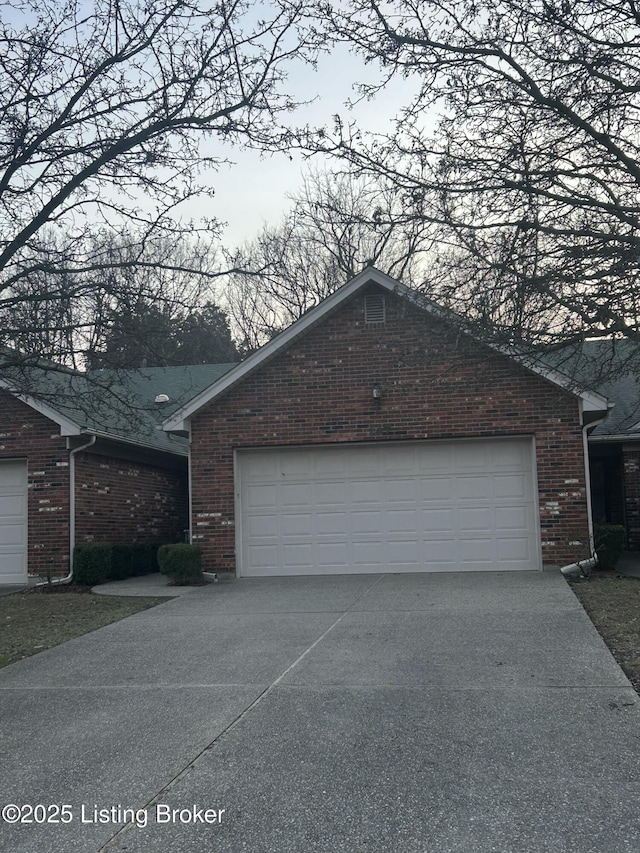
(189, 495)
(583, 567)
(72, 511)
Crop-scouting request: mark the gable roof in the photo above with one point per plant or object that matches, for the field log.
(179, 421)
(116, 405)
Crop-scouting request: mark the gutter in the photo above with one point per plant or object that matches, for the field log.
(179, 451)
(583, 567)
(72, 512)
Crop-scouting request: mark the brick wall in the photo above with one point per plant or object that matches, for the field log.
(26, 434)
(631, 461)
(120, 501)
(435, 385)
(116, 500)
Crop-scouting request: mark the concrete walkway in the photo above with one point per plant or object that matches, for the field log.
(146, 585)
(409, 713)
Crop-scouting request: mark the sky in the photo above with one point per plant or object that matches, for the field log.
(253, 190)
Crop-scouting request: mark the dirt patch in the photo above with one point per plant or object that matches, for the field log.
(613, 604)
(34, 620)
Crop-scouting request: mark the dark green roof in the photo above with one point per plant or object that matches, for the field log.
(119, 404)
(612, 368)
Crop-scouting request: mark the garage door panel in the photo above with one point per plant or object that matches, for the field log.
(436, 552)
(475, 518)
(405, 461)
(467, 459)
(434, 461)
(510, 486)
(293, 494)
(423, 506)
(363, 465)
(333, 493)
(297, 554)
(13, 522)
(434, 520)
(262, 526)
(514, 549)
(332, 554)
(361, 492)
(405, 551)
(474, 488)
(477, 550)
(261, 496)
(402, 521)
(295, 467)
(513, 517)
(400, 490)
(297, 524)
(13, 507)
(366, 522)
(264, 556)
(328, 523)
(510, 455)
(368, 554)
(437, 489)
(12, 535)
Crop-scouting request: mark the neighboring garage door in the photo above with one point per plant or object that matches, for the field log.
(13, 522)
(411, 507)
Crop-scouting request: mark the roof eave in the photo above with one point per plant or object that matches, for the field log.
(67, 426)
(131, 442)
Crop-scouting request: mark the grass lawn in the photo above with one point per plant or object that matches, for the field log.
(37, 619)
(613, 603)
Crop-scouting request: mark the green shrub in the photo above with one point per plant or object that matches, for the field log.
(122, 563)
(609, 543)
(92, 563)
(182, 562)
(144, 559)
(96, 562)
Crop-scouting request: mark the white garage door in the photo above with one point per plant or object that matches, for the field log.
(13, 522)
(412, 507)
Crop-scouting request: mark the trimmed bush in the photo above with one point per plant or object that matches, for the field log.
(181, 562)
(144, 558)
(97, 562)
(92, 563)
(122, 563)
(609, 543)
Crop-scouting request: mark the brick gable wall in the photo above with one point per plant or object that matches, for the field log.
(26, 434)
(435, 385)
(120, 501)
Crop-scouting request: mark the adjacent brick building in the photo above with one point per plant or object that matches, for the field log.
(82, 462)
(375, 435)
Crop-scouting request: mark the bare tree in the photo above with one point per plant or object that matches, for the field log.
(522, 146)
(109, 111)
(337, 225)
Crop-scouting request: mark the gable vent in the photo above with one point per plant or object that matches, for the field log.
(374, 308)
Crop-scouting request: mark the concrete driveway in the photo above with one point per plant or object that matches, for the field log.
(408, 713)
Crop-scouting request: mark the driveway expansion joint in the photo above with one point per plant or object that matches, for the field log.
(236, 721)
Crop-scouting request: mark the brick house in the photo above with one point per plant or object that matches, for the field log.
(614, 445)
(80, 463)
(375, 435)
